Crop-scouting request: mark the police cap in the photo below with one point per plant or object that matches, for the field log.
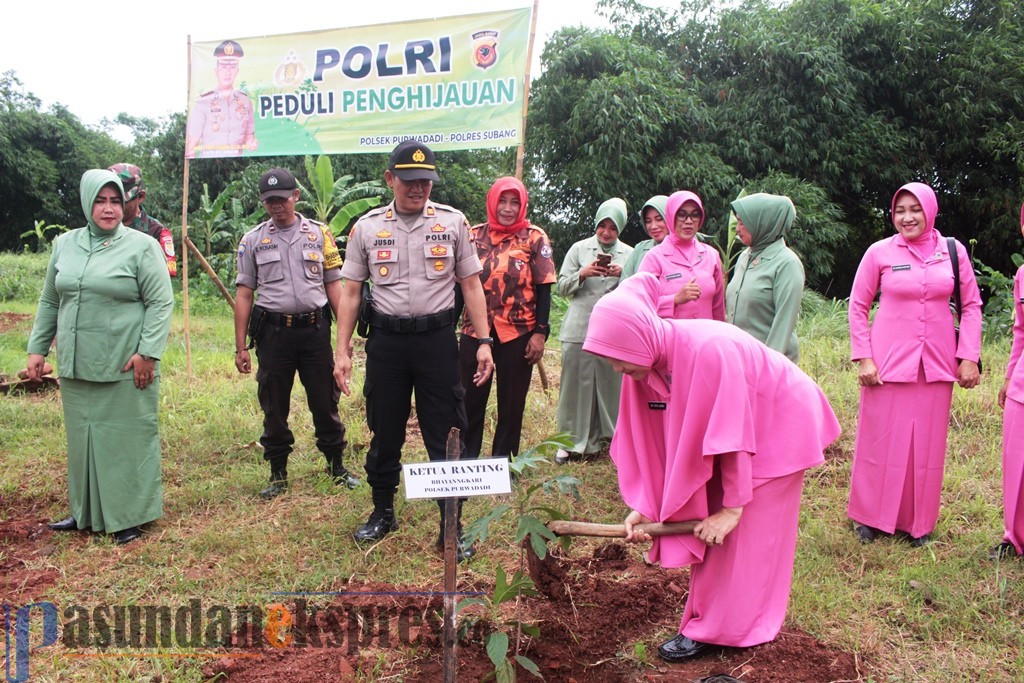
(277, 182)
(412, 160)
(228, 50)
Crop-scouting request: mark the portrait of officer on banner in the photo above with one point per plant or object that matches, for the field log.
(222, 121)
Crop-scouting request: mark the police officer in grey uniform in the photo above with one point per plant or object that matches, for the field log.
(294, 265)
(222, 122)
(413, 251)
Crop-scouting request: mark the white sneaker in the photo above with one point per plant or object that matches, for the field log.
(561, 456)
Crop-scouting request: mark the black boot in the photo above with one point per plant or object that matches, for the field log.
(382, 520)
(339, 474)
(463, 551)
(278, 482)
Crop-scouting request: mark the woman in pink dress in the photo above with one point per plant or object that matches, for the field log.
(1011, 400)
(908, 358)
(713, 426)
(689, 271)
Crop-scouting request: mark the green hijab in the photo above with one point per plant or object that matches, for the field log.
(93, 181)
(766, 217)
(659, 203)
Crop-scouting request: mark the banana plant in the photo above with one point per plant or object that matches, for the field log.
(336, 202)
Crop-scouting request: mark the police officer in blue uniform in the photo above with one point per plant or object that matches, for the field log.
(293, 264)
(413, 252)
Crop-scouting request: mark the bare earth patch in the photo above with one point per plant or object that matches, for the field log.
(589, 625)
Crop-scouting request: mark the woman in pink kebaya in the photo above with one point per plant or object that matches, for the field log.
(908, 359)
(689, 271)
(1011, 400)
(716, 427)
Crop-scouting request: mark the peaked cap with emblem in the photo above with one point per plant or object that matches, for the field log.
(412, 160)
(228, 51)
(277, 182)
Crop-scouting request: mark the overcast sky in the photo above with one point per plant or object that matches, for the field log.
(100, 59)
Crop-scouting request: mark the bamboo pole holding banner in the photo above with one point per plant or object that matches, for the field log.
(521, 150)
(184, 231)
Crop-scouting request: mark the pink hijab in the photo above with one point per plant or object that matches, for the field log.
(675, 201)
(713, 389)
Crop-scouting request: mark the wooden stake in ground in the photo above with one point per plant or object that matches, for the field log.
(453, 451)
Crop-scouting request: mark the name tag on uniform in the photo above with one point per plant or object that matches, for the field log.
(657, 405)
(903, 267)
(673, 276)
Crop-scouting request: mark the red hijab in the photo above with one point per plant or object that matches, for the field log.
(506, 184)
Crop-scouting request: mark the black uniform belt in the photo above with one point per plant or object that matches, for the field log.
(424, 323)
(296, 319)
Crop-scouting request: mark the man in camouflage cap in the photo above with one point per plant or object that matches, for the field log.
(222, 122)
(136, 217)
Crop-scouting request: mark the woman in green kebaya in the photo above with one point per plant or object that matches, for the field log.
(107, 298)
(763, 296)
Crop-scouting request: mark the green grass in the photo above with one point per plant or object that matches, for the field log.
(941, 613)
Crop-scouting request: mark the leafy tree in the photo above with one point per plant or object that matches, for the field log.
(42, 158)
(846, 99)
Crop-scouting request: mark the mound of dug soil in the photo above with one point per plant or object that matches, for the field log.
(592, 613)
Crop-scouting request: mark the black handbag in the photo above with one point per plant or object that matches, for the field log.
(954, 260)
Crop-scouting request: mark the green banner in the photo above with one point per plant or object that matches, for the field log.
(452, 82)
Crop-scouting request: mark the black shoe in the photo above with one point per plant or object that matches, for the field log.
(342, 476)
(127, 535)
(865, 533)
(67, 524)
(681, 648)
(920, 541)
(278, 485)
(380, 524)
(1003, 551)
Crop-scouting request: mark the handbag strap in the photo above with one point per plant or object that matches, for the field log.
(954, 260)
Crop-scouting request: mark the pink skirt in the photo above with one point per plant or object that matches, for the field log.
(740, 592)
(1013, 473)
(900, 455)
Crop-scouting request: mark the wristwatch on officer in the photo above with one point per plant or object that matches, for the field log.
(485, 340)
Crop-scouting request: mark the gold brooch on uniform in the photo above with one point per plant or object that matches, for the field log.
(389, 214)
(383, 234)
(437, 228)
(439, 266)
(383, 271)
(314, 269)
(265, 240)
(313, 256)
(430, 211)
(438, 250)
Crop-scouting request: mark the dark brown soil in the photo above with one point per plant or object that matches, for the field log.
(590, 625)
(592, 612)
(24, 537)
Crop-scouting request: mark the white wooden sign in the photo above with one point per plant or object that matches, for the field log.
(443, 479)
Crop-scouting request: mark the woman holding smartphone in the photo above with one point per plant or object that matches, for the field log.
(588, 401)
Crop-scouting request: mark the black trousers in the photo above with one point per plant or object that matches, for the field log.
(514, 375)
(397, 366)
(281, 352)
